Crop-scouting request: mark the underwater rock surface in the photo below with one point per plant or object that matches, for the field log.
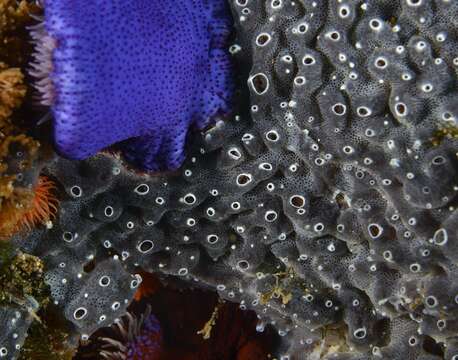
(329, 207)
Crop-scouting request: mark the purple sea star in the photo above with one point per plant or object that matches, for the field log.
(141, 70)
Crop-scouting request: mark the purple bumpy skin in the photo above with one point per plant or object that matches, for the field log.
(142, 70)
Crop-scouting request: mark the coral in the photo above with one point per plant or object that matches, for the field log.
(24, 199)
(12, 92)
(43, 207)
(26, 208)
(19, 168)
(323, 207)
(22, 287)
(14, 17)
(138, 70)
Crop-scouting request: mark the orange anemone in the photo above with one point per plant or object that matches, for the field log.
(44, 205)
(41, 208)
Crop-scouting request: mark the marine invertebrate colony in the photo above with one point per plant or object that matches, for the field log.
(43, 206)
(138, 338)
(20, 154)
(12, 91)
(323, 207)
(141, 70)
(14, 17)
